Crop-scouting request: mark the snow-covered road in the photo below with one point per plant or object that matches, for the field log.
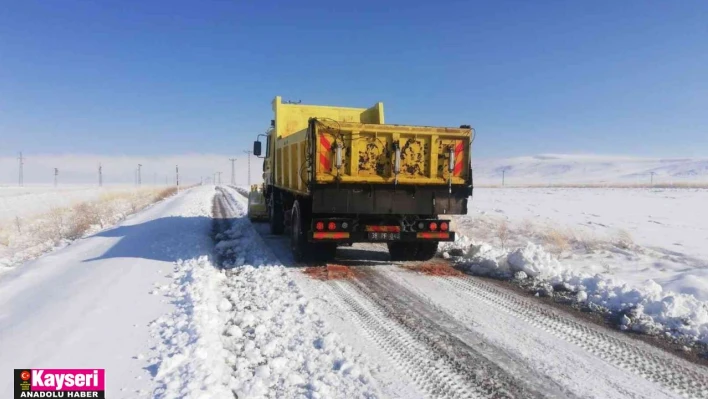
(147, 302)
(463, 337)
(89, 304)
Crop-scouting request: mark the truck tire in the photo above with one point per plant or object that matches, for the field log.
(426, 250)
(402, 251)
(276, 217)
(298, 240)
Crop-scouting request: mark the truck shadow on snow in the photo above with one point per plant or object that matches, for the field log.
(358, 255)
(165, 239)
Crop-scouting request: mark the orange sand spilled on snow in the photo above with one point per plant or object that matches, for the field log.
(435, 269)
(330, 272)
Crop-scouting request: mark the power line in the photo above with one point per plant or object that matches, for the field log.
(233, 172)
(22, 175)
(249, 167)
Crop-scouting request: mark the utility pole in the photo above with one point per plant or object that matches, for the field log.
(22, 175)
(219, 173)
(100, 175)
(233, 172)
(214, 178)
(503, 175)
(177, 176)
(249, 168)
(154, 179)
(56, 176)
(140, 178)
(652, 177)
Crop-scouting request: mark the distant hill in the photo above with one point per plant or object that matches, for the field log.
(569, 169)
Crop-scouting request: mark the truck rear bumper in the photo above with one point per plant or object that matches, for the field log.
(356, 236)
(372, 199)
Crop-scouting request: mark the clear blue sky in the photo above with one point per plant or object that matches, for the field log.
(167, 77)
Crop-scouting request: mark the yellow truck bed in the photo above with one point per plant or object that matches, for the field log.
(339, 175)
(352, 145)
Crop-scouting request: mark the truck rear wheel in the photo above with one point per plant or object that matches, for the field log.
(298, 240)
(302, 249)
(426, 250)
(276, 216)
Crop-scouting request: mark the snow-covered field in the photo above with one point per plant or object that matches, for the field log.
(664, 219)
(36, 220)
(30, 200)
(644, 251)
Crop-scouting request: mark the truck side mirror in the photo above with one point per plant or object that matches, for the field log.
(257, 148)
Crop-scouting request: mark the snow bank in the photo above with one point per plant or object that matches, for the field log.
(280, 346)
(191, 359)
(247, 331)
(646, 307)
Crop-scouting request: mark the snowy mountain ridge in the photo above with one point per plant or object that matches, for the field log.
(568, 169)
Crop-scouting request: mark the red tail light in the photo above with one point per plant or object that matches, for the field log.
(331, 225)
(319, 226)
(433, 226)
(444, 226)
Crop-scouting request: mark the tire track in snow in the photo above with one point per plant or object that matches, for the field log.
(403, 349)
(685, 379)
(426, 347)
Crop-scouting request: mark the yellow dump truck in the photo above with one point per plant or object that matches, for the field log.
(337, 175)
